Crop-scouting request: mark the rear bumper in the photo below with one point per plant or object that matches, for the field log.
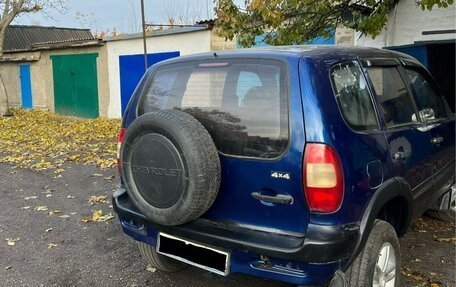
(294, 258)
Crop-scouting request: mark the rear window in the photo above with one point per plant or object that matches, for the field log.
(242, 103)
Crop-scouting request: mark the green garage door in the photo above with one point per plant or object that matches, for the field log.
(76, 84)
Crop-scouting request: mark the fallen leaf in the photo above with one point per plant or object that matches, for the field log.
(97, 214)
(52, 212)
(106, 217)
(48, 230)
(449, 240)
(41, 208)
(12, 241)
(60, 170)
(151, 269)
(25, 207)
(74, 157)
(97, 199)
(51, 245)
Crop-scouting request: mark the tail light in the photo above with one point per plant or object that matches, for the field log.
(119, 144)
(323, 180)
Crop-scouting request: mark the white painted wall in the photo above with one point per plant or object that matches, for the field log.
(406, 22)
(185, 43)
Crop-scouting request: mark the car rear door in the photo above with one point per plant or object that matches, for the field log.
(440, 123)
(408, 137)
(252, 110)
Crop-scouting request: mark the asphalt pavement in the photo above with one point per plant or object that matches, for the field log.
(47, 238)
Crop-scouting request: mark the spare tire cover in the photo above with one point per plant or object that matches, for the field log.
(170, 166)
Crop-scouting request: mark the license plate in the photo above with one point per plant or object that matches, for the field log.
(196, 254)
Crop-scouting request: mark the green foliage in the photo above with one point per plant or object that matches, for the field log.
(285, 22)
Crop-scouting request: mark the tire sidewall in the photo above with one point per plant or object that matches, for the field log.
(365, 263)
(155, 123)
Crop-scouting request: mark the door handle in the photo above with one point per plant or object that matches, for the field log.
(401, 154)
(279, 198)
(437, 140)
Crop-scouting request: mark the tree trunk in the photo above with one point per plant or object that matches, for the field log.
(4, 106)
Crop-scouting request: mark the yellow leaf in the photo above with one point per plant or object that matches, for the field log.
(12, 241)
(52, 212)
(450, 239)
(41, 208)
(51, 245)
(96, 215)
(97, 199)
(106, 217)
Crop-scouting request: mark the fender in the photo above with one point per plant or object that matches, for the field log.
(392, 188)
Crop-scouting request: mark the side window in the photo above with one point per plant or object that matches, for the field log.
(353, 97)
(393, 97)
(430, 103)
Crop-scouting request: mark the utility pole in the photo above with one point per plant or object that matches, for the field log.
(144, 35)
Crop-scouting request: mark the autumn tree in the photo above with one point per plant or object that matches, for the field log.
(284, 22)
(9, 10)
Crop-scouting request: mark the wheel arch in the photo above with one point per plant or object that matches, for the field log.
(393, 192)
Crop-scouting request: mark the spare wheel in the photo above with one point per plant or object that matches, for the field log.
(170, 166)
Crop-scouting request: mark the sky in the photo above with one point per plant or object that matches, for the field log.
(124, 15)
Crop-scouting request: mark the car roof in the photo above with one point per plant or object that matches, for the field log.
(296, 51)
(313, 52)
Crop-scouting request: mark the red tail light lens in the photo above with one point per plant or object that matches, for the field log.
(323, 180)
(119, 144)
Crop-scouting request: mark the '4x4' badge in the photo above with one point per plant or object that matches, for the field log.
(281, 175)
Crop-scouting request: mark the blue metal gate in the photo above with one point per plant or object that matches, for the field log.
(132, 69)
(418, 51)
(26, 86)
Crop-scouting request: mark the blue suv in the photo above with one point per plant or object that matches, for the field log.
(301, 164)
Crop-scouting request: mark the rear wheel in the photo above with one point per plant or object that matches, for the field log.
(379, 263)
(445, 215)
(159, 261)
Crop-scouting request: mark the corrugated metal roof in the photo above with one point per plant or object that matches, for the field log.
(22, 38)
(157, 33)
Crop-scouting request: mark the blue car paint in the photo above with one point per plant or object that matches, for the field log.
(298, 273)
(314, 117)
(324, 123)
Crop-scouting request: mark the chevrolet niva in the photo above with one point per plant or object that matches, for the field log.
(301, 164)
